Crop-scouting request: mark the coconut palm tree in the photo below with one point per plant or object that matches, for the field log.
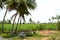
(30, 20)
(10, 5)
(23, 6)
(2, 3)
(17, 24)
(57, 17)
(4, 20)
(1, 6)
(58, 21)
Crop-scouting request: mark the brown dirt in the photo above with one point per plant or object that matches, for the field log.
(32, 38)
(45, 38)
(44, 32)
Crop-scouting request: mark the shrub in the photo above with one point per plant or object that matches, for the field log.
(22, 35)
(5, 35)
(32, 34)
(41, 27)
(29, 34)
(58, 25)
(8, 35)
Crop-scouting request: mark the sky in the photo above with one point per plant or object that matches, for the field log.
(45, 9)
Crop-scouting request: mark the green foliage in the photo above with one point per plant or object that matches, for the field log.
(35, 35)
(28, 34)
(41, 27)
(52, 26)
(32, 27)
(0, 26)
(8, 35)
(32, 34)
(47, 26)
(58, 25)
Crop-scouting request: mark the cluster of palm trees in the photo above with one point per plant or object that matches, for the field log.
(21, 7)
(57, 18)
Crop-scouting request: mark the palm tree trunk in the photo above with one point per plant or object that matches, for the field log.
(20, 22)
(17, 24)
(4, 21)
(13, 23)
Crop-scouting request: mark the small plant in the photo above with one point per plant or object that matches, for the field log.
(5, 35)
(8, 35)
(58, 25)
(41, 27)
(29, 34)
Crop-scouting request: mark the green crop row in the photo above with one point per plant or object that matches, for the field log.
(8, 27)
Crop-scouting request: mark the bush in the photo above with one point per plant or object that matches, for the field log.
(5, 35)
(32, 34)
(29, 34)
(41, 27)
(52, 28)
(8, 35)
(58, 25)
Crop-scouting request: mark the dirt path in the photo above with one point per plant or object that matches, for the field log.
(45, 38)
(33, 38)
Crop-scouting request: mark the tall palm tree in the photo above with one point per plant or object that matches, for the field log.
(17, 24)
(13, 23)
(11, 5)
(30, 20)
(8, 7)
(57, 17)
(4, 21)
(21, 6)
(1, 6)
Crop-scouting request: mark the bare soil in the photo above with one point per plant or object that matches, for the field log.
(43, 32)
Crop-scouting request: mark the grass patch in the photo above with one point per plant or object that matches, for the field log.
(8, 35)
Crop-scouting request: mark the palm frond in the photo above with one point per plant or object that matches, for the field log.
(13, 16)
(1, 5)
(11, 5)
(23, 18)
(31, 4)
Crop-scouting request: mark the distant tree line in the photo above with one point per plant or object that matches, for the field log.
(6, 21)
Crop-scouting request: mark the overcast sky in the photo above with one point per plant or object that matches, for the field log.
(45, 9)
